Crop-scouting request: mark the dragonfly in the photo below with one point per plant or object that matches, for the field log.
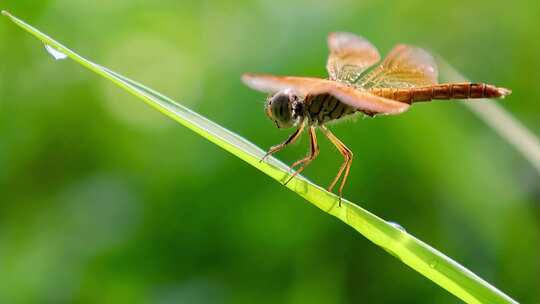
(356, 84)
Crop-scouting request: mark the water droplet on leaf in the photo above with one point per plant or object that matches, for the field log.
(433, 264)
(398, 226)
(55, 53)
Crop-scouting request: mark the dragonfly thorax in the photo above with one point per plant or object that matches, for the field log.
(285, 109)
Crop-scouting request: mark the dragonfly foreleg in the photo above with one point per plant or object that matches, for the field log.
(314, 151)
(292, 138)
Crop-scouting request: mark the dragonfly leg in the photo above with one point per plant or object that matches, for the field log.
(292, 138)
(314, 151)
(345, 167)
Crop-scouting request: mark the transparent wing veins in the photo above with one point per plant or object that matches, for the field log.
(350, 55)
(404, 67)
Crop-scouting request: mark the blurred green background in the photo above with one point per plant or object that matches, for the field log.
(104, 200)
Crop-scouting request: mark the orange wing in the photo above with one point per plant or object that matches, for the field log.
(405, 67)
(350, 55)
(303, 86)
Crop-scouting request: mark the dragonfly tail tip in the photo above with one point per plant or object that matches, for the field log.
(503, 92)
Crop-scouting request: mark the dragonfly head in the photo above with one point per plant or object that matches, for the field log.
(284, 108)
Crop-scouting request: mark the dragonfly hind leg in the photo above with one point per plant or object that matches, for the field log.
(345, 167)
(290, 140)
(313, 153)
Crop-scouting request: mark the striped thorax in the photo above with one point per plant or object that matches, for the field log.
(323, 108)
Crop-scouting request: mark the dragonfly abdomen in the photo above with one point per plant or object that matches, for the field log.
(443, 91)
(325, 107)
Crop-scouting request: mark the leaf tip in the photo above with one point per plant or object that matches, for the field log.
(6, 13)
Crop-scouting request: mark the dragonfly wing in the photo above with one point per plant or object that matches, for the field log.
(405, 67)
(366, 102)
(360, 100)
(272, 84)
(350, 55)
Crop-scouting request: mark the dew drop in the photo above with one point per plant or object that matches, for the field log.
(433, 264)
(57, 55)
(396, 225)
